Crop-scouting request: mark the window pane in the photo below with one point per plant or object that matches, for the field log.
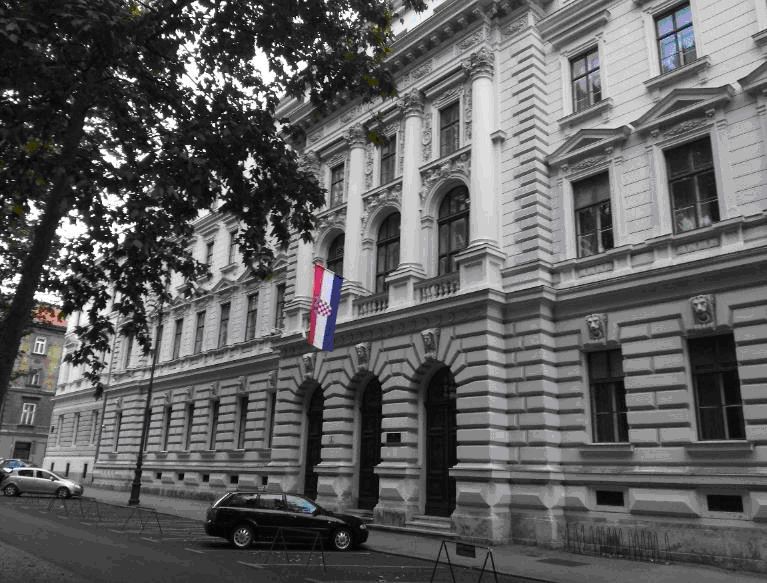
(665, 25)
(605, 431)
(678, 161)
(735, 423)
(731, 387)
(587, 245)
(603, 400)
(458, 239)
(683, 193)
(709, 213)
(579, 67)
(393, 257)
(444, 231)
(598, 365)
(711, 425)
(607, 239)
(586, 221)
(706, 186)
(623, 427)
(708, 390)
(580, 94)
(596, 87)
(592, 60)
(683, 16)
(701, 154)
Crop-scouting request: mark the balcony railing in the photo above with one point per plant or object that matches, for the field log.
(370, 305)
(437, 288)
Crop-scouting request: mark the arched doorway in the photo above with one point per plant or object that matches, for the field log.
(313, 442)
(370, 444)
(441, 452)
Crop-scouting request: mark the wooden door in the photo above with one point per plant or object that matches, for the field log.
(370, 444)
(440, 444)
(313, 442)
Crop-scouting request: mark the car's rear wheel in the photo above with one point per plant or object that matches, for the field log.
(342, 539)
(63, 493)
(242, 536)
(11, 490)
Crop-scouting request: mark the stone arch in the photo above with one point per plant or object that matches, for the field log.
(323, 240)
(370, 240)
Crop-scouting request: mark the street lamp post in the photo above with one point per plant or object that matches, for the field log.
(135, 490)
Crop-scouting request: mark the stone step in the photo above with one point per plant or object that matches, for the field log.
(364, 514)
(408, 529)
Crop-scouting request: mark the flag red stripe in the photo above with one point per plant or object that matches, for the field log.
(318, 271)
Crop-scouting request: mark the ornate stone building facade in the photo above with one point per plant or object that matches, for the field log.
(554, 303)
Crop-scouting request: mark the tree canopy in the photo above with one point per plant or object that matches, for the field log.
(127, 118)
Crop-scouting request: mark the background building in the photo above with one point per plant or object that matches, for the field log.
(25, 413)
(554, 306)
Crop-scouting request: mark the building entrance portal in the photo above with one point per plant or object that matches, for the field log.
(313, 442)
(441, 452)
(370, 444)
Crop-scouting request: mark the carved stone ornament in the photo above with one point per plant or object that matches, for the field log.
(242, 384)
(351, 114)
(448, 96)
(363, 355)
(356, 136)
(119, 403)
(426, 139)
(309, 361)
(586, 163)
(335, 218)
(703, 312)
(412, 103)
(419, 72)
(459, 166)
(684, 127)
(480, 64)
(473, 39)
(271, 379)
(391, 196)
(467, 116)
(369, 166)
(596, 324)
(514, 27)
(430, 338)
(214, 390)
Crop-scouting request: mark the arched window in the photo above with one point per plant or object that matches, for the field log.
(387, 257)
(453, 227)
(335, 262)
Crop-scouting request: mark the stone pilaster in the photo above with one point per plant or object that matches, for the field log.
(410, 269)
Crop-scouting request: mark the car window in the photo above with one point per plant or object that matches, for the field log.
(45, 475)
(300, 505)
(27, 473)
(271, 502)
(242, 500)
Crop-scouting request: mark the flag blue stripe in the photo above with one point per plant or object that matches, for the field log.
(330, 326)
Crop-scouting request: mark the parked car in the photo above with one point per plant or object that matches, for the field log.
(11, 463)
(243, 517)
(38, 481)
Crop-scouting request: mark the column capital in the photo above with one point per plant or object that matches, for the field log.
(480, 64)
(412, 103)
(356, 136)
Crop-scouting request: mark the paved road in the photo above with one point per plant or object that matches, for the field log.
(43, 540)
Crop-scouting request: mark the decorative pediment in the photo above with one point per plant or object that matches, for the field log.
(588, 143)
(224, 287)
(247, 276)
(388, 196)
(681, 104)
(756, 81)
(574, 21)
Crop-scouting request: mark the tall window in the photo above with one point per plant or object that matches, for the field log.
(158, 340)
(59, 429)
(608, 396)
(453, 227)
(232, 255)
(279, 306)
(223, 324)
(188, 426)
(128, 343)
(177, 338)
(269, 429)
(41, 342)
(76, 429)
(337, 185)
(387, 257)
(388, 159)
(717, 387)
(94, 426)
(22, 450)
(34, 378)
(593, 217)
(242, 420)
(449, 127)
(692, 184)
(199, 332)
(209, 252)
(213, 429)
(167, 415)
(28, 413)
(587, 86)
(118, 427)
(251, 318)
(335, 262)
(676, 40)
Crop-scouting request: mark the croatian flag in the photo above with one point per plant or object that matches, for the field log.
(325, 299)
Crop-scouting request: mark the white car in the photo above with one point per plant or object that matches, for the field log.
(39, 481)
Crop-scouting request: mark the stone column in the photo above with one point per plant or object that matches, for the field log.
(410, 269)
(481, 263)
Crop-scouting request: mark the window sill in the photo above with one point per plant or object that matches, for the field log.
(229, 268)
(720, 448)
(606, 449)
(700, 64)
(585, 114)
(236, 452)
(183, 454)
(208, 453)
(161, 454)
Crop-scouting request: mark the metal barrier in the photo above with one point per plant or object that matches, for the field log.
(463, 549)
(279, 536)
(612, 541)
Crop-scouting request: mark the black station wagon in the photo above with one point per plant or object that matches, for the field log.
(243, 517)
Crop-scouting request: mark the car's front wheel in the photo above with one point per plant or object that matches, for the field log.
(242, 536)
(11, 490)
(342, 539)
(63, 493)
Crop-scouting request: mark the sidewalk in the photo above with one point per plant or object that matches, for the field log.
(519, 560)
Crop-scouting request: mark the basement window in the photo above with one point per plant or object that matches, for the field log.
(609, 498)
(181, 476)
(158, 475)
(206, 478)
(234, 479)
(724, 503)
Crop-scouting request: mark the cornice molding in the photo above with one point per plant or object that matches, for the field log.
(573, 21)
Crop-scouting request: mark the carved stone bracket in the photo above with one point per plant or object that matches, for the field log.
(430, 338)
(514, 27)
(363, 355)
(309, 359)
(242, 384)
(426, 139)
(703, 310)
(391, 196)
(459, 166)
(596, 324)
(584, 164)
(214, 391)
(480, 63)
(119, 403)
(271, 380)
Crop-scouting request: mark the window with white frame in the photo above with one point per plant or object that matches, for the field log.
(593, 215)
(199, 332)
(59, 429)
(279, 306)
(387, 250)
(608, 396)
(128, 344)
(692, 185)
(41, 343)
(209, 252)
(167, 420)
(94, 426)
(453, 225)
(449, 129)
(76, 429)
(242, 421)
(388, 150)
(675, 38)
(232, 255)
(213, 424)
(177, 338)
(335, 260)
(34, 378)
(118, 428)
(28, 413)
(251, 317)
(223, 324)
(585, 80)
(337, 185)
(188, 426)
(269, 425)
